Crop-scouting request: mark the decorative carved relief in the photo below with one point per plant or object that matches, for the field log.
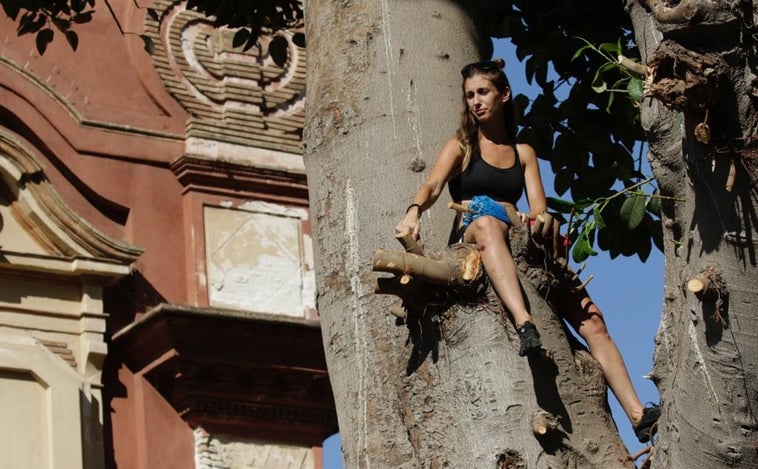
(255, 259)
(233, 96)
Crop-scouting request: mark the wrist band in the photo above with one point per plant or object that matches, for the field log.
(414, 205)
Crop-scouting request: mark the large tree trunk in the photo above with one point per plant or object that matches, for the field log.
(445, 387)
(706, 360)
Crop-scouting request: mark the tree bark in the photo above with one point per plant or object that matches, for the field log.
(443, 385)
(706, 357)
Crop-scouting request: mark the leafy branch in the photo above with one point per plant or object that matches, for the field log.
(612, 53)
(41, 16)
(623, 211)
(251, 19)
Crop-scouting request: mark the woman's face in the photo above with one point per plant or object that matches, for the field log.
(483, 99)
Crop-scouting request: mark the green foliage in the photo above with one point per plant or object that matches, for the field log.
(578, 123)
(41, 16)
(255, 18)
(623, 222)
(251, 18)
(626, 83)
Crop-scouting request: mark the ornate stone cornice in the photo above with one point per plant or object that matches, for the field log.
(242, 373)
(224, 177)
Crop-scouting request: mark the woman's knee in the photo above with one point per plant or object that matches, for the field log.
(593, 325)
(488, 227)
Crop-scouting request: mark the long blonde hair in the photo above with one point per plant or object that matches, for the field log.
(468, 130)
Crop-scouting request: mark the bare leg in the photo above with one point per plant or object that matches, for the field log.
(489, 234)
(587, 319)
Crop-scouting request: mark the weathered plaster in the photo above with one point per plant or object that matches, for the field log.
(255, 259)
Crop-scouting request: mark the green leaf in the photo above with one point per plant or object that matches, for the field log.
(153, 14)
(298, 39)
(72, 38)
(610, 102)
(11, 8)
(579, 52)
(520, 102)
(277, 49)
(240, 37)
(78, 5)
(598, 84)
(635, 89)
(610, 47)
(654, 204)
(44, 38)
(563, 180)
(29, 23)
(251, 40)
(632, 211)
(599, 220)
(582, 248)
(149, 45)
(61, 24)
(81, 18)
(560, 205)
(655, 227)
(644, 246)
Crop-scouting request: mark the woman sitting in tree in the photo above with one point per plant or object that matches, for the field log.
(483, 163)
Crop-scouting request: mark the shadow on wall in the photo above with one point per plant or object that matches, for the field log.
(129, 297)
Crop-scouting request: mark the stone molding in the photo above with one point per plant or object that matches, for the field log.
(39, 208)
(234, 96)
(240, 373)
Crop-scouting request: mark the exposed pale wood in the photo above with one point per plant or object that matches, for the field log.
(405, 264)
(543, 423)
(398, 310)
(472, 265)
(634, 67)
(409, 243)
(585, 283)
(732, 174)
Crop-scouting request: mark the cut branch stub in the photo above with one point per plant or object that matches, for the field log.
(707, 285)
(409, 243)
(544, 423)
(459, 268)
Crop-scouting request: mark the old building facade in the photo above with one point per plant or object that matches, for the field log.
(157, 294)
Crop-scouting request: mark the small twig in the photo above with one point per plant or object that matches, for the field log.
(639, 453)
(584, 284)
(732, 175)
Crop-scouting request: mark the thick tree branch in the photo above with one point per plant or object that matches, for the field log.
(681, 13)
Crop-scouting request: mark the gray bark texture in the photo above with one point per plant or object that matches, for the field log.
(445, 387)
(706, 356)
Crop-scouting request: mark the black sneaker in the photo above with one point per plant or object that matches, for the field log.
(648, 425)
(530, 339)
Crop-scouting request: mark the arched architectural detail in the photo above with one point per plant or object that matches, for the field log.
(37, 206)
(53, 268)
(234, 96)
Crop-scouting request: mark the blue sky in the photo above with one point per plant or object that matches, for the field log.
(629, 293)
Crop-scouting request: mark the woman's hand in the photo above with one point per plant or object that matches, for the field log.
(410, 223)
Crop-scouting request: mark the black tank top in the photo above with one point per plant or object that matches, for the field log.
(481, 178)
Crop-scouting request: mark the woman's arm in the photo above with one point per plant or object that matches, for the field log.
(447, 165)
(535, 191)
